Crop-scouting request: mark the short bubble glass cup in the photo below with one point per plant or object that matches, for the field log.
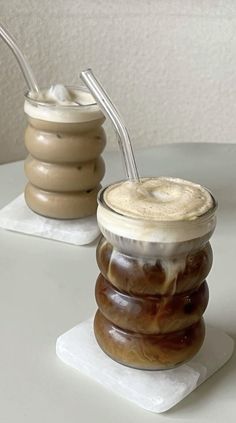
(64, 167)
(152, 291)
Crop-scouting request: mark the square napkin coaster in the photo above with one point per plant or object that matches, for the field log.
(18, 217)
(156, 391)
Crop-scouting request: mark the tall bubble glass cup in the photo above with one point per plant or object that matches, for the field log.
(152, 290)
(64, 166)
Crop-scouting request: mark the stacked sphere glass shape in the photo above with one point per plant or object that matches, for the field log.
(151, 294)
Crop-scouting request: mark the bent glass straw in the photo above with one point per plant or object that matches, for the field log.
(24, 65)
(111, 112)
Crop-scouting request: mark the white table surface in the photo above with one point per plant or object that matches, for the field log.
(47, 287)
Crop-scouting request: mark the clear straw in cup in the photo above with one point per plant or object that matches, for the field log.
(112, 113)
(24, 65)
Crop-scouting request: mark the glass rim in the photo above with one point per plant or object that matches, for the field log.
(199, 219)
(45, 104)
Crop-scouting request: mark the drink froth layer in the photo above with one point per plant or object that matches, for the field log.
(162, 199)
(62, 104)
(159, 210)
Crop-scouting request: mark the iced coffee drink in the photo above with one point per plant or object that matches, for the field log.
(154, 257)
(65, 139)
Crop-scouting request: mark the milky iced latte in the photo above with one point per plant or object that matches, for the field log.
(154, 257)
(65, 139)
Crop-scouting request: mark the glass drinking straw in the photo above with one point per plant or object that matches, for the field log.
(99, 94)
(111, 112)
(24, 65)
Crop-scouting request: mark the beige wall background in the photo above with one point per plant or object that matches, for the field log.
(170, 65)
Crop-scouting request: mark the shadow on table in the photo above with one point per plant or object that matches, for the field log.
(206, 392)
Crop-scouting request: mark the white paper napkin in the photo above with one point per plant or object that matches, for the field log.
(17, 216)
(155, 391)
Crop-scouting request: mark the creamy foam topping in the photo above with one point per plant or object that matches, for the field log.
(162, 199)
(62, 104)
(156, 210)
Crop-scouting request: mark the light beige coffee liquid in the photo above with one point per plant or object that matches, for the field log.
(64, 167)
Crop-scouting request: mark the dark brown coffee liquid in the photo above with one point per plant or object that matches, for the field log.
(150, 308)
